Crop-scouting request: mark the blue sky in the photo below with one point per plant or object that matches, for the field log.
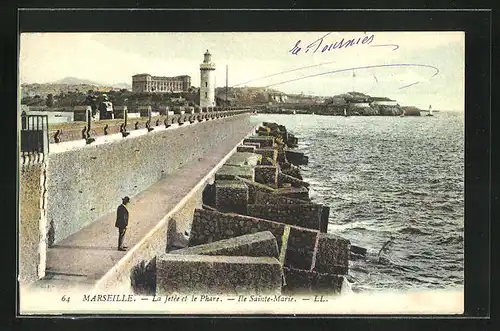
(414, 68)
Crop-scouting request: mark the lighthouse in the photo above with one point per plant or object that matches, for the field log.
(207, 81)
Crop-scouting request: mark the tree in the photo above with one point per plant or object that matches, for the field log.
(50, 100)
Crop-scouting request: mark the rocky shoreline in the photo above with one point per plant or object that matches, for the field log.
(257, 233)
(328, 110)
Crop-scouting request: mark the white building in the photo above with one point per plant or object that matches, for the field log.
(207, 82)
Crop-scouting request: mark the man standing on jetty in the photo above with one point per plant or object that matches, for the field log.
(122, 222)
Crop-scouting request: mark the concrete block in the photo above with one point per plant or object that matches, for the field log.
(300, 249)
(332, 255)
(254, 187)
(265, 141)
(303, 215)
(216, 275)
(231, 196)
(267, 174)
(244, 159)
(243, 148)
(209, 226)
(325, 216)
(268, 153)
(263, 131)
(293, 192)
(251, 143)
(281, 155)
(296, 158)
(229, 172)
(310, 282)
(264, 198)
(284, 178)
(143, 277)
(256, 244)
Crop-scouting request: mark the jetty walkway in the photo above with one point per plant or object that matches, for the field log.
(85, 258)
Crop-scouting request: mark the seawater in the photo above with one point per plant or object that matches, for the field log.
(396, 182)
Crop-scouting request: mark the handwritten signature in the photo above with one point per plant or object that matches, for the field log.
(322, 46)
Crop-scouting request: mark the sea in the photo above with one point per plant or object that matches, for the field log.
(395, 186)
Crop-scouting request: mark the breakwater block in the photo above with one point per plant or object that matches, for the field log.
(263, 131)
(244, 159)
(291, 170)
(263, 198)
(254, 187)
(301, 193)
(311, 282)
(266, 174)
(306, 215)
(249, 143)
(243, 148)
(143, 277)
(332, 254)
(271, 125)
(325, 216)
(211, 275)
(284, 179)
(357, 253)
(209, 226)
(229, 172)
(231, 196)
(296, 158)
(281, 155)
(264, 141)
(256, 244)
(358, 250)
(268, 153)
(300, 248)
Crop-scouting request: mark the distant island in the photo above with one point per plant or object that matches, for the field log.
(347, 104)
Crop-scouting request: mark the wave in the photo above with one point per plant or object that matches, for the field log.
(452, 240)
(411, 230)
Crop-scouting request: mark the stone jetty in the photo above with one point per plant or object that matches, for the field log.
(258, 232)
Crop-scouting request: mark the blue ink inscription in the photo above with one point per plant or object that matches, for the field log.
(315, 46)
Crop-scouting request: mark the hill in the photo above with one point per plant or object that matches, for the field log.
(75, 81)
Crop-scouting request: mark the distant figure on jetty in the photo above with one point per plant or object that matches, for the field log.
(105, 108)
(122, 222)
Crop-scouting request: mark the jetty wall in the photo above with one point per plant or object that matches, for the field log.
(86, 183)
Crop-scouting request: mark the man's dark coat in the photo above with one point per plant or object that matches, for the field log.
(121, 217)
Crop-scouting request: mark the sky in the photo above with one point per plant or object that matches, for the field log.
(414, 68)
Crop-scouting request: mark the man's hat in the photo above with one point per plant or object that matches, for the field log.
(126, 199)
